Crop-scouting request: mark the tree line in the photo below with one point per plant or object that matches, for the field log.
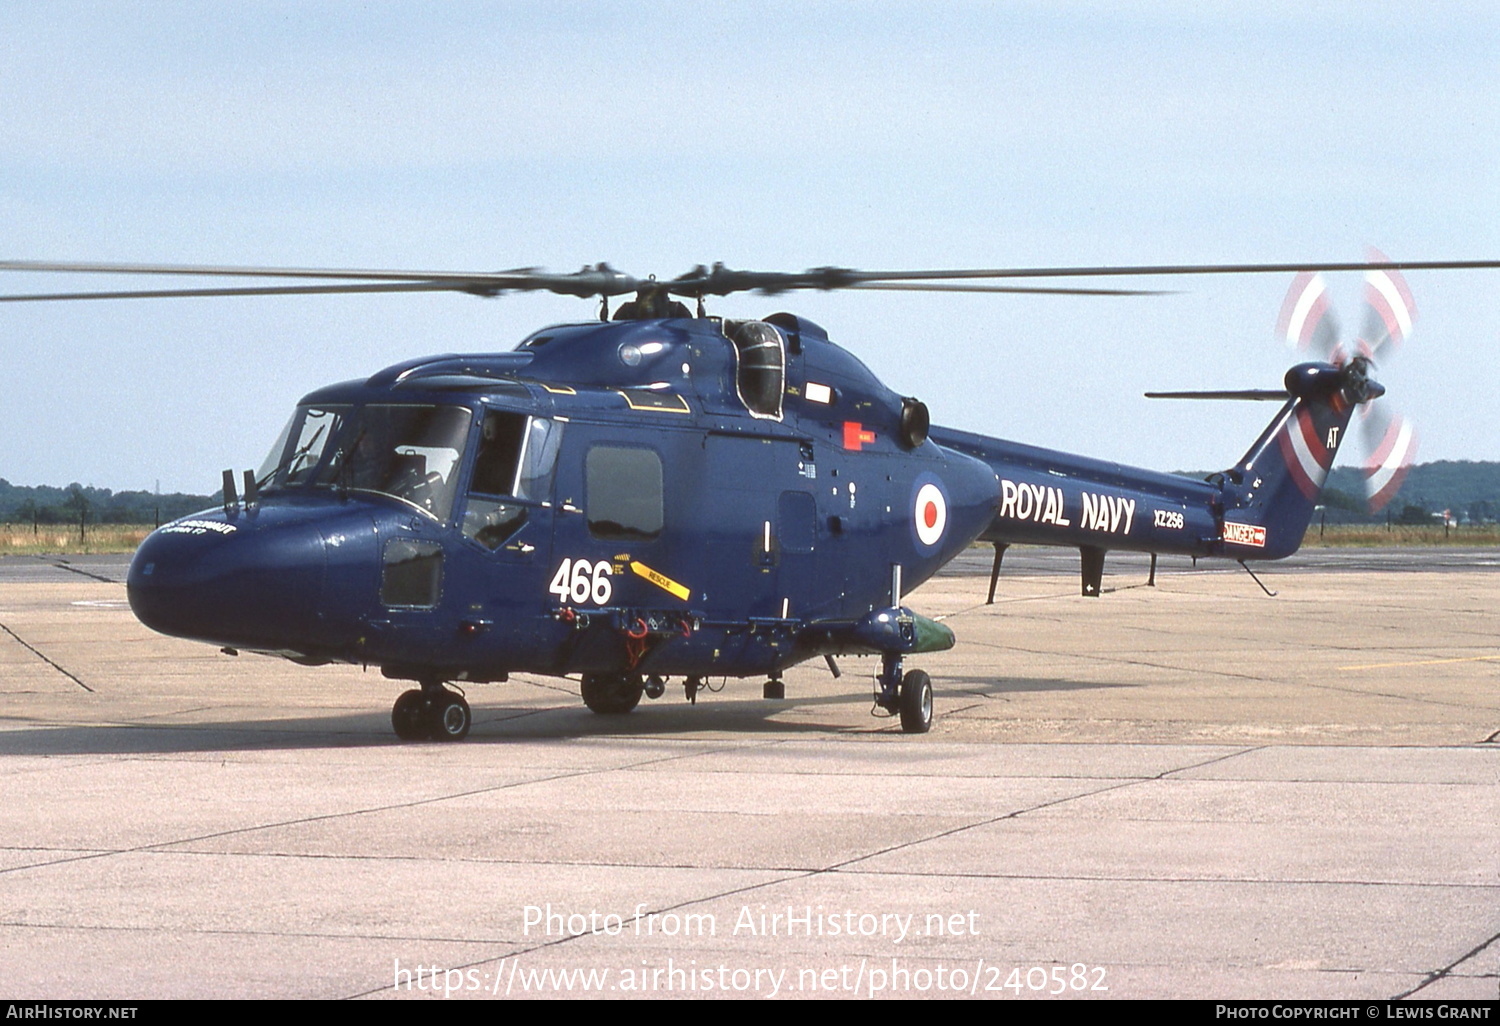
(45, 504)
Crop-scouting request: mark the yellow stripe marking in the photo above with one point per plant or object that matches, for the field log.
(1422, 662)
(656, 402)
(662, 581)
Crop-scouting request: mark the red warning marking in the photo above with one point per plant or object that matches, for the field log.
(855, 435)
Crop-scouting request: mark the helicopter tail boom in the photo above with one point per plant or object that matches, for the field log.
(1258, 509)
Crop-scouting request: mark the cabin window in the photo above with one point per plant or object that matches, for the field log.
(623, 493)
(412, 574)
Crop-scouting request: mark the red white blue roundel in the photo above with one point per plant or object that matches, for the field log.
(929, 510)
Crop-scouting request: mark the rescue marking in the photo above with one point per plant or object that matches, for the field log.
(661, 580)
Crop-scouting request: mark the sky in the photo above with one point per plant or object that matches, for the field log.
(768, 135)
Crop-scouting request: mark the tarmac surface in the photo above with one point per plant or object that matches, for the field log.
(1188, 790)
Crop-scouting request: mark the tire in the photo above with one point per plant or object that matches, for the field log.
(409, 716)
(451, 718)
(611, 694)
(916, 702)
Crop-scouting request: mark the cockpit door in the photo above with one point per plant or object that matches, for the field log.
(508, 509)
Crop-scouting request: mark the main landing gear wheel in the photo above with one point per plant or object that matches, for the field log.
(409, 716)
(442, 715)
(916, 702)
(451, 719)
(611, 694)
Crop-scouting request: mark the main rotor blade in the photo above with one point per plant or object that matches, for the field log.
(215, 270)
(1168, 270)
(603, 280)
(266, 290)
(1044, 290)
(590, 281)
(721, 280)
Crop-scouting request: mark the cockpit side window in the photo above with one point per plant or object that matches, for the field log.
(539, 459)
(512, 471)
(761, 379)
(501, 437)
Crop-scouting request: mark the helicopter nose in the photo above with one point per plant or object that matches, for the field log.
(232, 580)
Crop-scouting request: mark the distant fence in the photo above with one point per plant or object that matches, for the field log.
(81, 537)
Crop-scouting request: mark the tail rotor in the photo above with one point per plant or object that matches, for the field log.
(1307, 323)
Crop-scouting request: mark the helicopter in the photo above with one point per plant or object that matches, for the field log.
(658, 493)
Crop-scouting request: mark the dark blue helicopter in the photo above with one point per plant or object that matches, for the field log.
(664, 494)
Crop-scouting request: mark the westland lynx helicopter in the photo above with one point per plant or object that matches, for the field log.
(665, 494)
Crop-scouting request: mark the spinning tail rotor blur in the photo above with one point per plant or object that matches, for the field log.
(1308, 324)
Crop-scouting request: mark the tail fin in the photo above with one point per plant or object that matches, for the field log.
(1270, 494)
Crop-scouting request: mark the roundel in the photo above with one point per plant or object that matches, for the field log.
(930, 512)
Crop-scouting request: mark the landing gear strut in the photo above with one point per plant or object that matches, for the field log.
(431, 713)
(909, 695)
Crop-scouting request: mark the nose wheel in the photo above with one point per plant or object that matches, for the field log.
(907, 695)
(433, 713)
(916, 702)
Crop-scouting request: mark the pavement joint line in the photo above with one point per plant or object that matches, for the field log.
(1211, 881)
(1415, 699)
(1225, 757)
(1447, 969)
(64, 565)
(219, 931)
(1015, 814)
(34, 651)
(1116, 659)
(347, 813)
(316, 856)
(1424, 662)
(800, 872)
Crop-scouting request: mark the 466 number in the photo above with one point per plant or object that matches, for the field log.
(579, 581)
